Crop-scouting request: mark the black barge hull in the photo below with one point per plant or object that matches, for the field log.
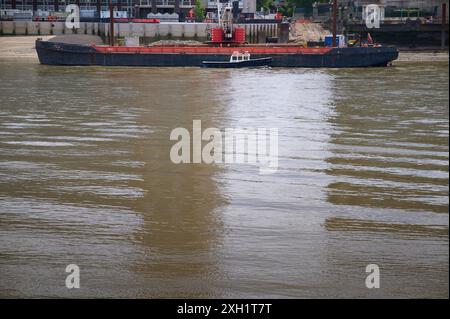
(53, 53)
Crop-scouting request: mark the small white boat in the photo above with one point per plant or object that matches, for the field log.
(238, 60)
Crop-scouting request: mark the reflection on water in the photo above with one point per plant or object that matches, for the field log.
(390, 150)
(181, 224)
(86, 178)
(343, 224)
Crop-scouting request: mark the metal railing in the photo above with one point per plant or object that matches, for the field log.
(165, 2)
(187, 3)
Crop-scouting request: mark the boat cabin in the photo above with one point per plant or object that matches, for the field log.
(239, 56)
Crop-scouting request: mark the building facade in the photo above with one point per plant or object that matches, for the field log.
(402, 3)
(247, 6)
(426, 7)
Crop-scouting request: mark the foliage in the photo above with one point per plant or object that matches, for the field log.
(265, 5)
(288, 7)
(199, 11)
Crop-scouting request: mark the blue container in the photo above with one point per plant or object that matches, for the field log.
(340, 40)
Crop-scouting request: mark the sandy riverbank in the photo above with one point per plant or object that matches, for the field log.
(22, 47)
(19, 47)
(423, 56)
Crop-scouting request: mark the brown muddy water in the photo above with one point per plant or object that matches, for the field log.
(86, 179)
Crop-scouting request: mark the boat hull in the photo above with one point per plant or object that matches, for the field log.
(52, 53)
(240, 64)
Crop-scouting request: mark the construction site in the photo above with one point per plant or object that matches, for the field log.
(408, 24)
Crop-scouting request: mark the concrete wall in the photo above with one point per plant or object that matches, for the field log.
(175, 30)
(257, 32)
(43, 28)
(249, 6)
(182, 30)
(161, 30)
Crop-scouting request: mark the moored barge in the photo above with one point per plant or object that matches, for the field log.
(225, 40)
(54, 53)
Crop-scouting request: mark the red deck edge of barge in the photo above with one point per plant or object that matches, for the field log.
(212, 50)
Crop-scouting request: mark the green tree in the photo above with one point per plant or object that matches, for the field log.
(265, 4)
(288, 7)
(199, 10)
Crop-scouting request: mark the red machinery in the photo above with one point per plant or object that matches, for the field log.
(226, 33)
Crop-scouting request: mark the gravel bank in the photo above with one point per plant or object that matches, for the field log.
(22, 47)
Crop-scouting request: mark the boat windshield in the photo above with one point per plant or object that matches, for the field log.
(238, 56)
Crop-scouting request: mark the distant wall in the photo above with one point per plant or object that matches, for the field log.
(44, 28)
(198, 31)
(146, 30)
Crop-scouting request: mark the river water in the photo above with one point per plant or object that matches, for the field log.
(86, 179)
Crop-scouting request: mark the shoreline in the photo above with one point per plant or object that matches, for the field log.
(22, 47)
